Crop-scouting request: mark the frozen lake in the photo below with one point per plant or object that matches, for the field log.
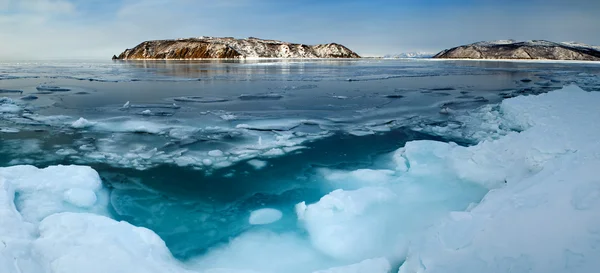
(216, 157)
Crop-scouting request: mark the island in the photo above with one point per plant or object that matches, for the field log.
(528, 50)
(231, 48)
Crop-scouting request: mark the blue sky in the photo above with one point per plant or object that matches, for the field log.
(100, 28)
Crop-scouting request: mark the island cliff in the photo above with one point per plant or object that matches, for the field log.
(231, 48)
(529, 50)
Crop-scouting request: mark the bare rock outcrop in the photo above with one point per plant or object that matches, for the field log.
(529, 50)
(231, 48)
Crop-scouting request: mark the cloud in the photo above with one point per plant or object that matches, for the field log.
(38, 6)
(33, 29)
(47, 6)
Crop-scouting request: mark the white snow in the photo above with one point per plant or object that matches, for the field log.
(81, 242)
(539, 180)
(545, 217)
(264, 216)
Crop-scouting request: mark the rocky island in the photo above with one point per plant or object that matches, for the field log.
(231, 48)
(528, 50)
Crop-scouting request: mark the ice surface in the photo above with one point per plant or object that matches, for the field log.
(265, 252)
(542, 215)
(380, 265)
(264, 216)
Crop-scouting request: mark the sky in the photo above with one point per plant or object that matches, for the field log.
(98, 29)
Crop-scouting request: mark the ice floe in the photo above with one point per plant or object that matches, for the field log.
(264, 216)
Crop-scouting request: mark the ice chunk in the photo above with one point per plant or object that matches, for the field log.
(9, 130)
(257, 164)
(42, 192)
(228, 117)
(80, 197)
(82, 123)
(79, 242)
(344, 225)
(8, 106)
(216, 153)
(264, 216)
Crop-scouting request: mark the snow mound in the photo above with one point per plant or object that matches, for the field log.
(82, 123)
(264, 216)
(79, 242)
(542, 215)
(43, 192)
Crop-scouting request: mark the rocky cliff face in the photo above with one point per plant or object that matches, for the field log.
(218, 48)
(530, 50)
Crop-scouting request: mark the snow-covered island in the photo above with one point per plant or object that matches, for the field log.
(231, 48)
(528, 50)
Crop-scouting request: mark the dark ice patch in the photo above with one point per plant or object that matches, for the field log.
(52, 88)
(438, 94)
(200, 99)
(394, 96)
(443, 89)
(269, 96)
(9, 91)
(29, 97)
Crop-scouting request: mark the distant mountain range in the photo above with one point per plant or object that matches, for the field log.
(231, 48)
(528, 50)
(416, 55)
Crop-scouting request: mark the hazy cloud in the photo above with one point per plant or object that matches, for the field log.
(100, 28)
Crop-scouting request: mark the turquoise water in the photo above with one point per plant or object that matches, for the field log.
(152, 127)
